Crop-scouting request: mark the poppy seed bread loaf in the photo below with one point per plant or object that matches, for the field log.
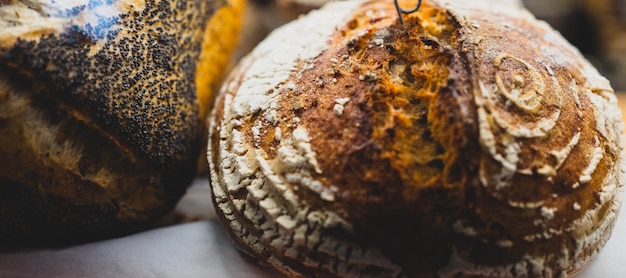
(102, 110)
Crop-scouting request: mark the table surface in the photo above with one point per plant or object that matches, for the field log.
(201, 248)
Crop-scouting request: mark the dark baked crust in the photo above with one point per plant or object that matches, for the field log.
(394, 156)
(101, 115)
(128, 73)
(471, 141)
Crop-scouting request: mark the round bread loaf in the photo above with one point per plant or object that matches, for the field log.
(103, 108)
(471, 141)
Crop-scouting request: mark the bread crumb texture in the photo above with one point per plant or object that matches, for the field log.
(471, 141)
(102, 109)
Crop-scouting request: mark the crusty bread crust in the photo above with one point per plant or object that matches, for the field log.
(472, 140)
(102, 113)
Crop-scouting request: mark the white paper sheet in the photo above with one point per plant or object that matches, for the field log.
(201, 249)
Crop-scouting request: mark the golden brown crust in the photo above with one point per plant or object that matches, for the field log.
(391, 155)
(472, 140)
(105, 118)
(552, 142)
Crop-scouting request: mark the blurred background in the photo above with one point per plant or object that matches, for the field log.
(596, 27)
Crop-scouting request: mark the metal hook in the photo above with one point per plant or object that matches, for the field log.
(403, 11)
